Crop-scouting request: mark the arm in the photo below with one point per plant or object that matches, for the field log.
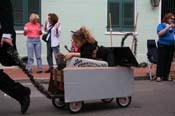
(45, 26)
(58, 29)
(70, 55)
(163, 31)
(40, 30)
(6, 19)
(25, 30)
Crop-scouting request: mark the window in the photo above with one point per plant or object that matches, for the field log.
(167, 6)
(22, 10)
(122, 15)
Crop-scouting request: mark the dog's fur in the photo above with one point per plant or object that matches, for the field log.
(61, 61)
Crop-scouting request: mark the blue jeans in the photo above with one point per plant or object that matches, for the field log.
(50, 51)
(34, 46)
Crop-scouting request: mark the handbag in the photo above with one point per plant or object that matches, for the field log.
(44, 37)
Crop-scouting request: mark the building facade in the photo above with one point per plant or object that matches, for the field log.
(94, 14)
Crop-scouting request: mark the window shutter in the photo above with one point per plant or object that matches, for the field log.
(22, 10)
(122, 13)
(17, 12)
(128, 15)
(34, 6)
(167, 6)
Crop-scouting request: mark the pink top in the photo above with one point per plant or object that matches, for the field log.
(32, 30)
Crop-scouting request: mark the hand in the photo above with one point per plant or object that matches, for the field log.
(57, 27)
(7, 41)
(169, 26)
(45, 26)
(172, 25)
(40, 31)
(68, 56)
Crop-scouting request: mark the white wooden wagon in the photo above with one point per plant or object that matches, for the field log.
(82, 83)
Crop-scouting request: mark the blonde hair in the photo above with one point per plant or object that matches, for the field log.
(33, 17)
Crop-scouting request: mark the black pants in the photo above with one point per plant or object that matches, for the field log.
(165, 56)
(10, 87)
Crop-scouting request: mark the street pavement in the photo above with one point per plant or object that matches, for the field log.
(150, 99)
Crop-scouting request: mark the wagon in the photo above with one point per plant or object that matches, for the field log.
(97, 81)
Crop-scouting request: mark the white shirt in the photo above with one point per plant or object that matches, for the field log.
(55, 37)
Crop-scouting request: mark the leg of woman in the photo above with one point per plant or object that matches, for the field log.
(15, 90)
(55, 51)
(160, 63)
(168, 60)
(49, 55)
(30, 52)
(38, 55)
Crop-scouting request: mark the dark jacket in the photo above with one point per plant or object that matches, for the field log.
(103, 53)
(87, 49)
(7, 27)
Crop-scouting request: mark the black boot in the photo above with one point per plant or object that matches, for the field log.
(25, 102)
(15, 90)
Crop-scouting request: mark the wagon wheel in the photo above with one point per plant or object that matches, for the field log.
(75, 107)
(108, 100)
(58, 102)
(124, 101)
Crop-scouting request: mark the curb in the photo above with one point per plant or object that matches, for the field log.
(40, 80)
(142, 78)
(46, 80)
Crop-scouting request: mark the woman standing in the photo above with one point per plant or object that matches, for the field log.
(53, 28)
(32, 30)
(165, 46)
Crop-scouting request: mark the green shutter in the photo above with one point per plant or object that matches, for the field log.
(17, 12)
(122, 12)
(22, 10)
(167, 6)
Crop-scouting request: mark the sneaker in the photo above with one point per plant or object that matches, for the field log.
(158, 79)
(170, 79)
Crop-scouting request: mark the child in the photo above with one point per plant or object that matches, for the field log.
(88, 47)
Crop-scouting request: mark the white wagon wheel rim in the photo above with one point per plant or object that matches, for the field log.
(124, 101)
(75, 106)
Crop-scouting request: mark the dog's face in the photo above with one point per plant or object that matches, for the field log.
(60, 57)
(61, 63)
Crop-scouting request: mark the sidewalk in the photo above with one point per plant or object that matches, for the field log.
(17, 74)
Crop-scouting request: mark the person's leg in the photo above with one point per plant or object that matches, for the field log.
(168, 61)
(30, 52)
(56, 51)
(15, 90)
(49, 57)
(160, 63)
(38, 55)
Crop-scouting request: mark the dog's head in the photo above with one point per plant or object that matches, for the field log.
(61, 63)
